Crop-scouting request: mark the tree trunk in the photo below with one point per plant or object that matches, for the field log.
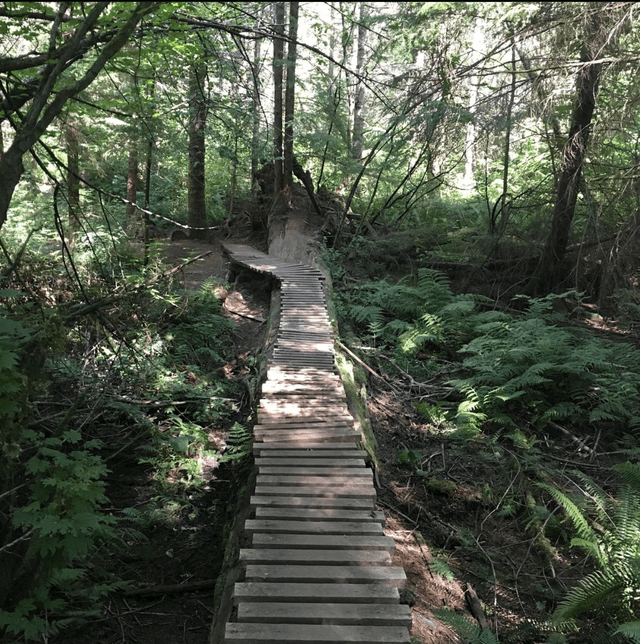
(360, 96)
(47, 104)
(147, 175)
(132, 183)
(289, 97)
(255, 117)
(471, 128)
(278, 62)
(197, 208)
(505, 199)
(549, 272)
(73, 181)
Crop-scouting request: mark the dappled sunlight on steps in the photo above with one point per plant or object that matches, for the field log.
(319, 566)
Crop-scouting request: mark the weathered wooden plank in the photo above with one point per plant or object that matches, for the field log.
(302, 435)
(312, 450)
(274, 421)
(308, 408)
(323, 542)
(361, 472)
(362, 614)
(281, 526)
(315, 481)
(310, 592)
(331, 491)
(319, 514)
(340, 425)
(345, 465)
(315, 556)
(302, 397)
(312, 502)
(322, 416)
(293, 413)
(390, 575)
(314, 634)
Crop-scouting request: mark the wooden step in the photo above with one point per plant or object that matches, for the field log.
(284, 470)
(257, 591)
(309, 461)
(311, 450)
(323, 542)
(389, 575)
(315, 481)
(281, 526)
(314, 422)
(306, 613)
(315, 557)
(344, 502)
(331, 491)
(279, 436)
(319, 514)
(315, 634)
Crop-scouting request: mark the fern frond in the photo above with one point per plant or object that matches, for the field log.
(589, 594)
(370, 314)
(463, 626)
(631, 630)
(627, 516)
(238, 443)
(630, 473)
(440, 567)
(574, 513)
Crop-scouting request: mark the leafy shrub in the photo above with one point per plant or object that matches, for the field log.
(12, 384)
(59, 523)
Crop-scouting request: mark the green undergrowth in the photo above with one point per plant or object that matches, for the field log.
(515, 395)
(524, 372)
(129, 382)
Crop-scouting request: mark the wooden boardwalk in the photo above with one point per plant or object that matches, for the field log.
(319, 566)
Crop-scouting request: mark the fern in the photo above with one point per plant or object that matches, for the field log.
(468, 631)
(613, 589)
(631, 630)
(531, 368)
(425, 311)
(238, 444)
(439, 566)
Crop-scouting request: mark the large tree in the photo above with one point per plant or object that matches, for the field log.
(197, 207)
(43, 80)
(603, 20)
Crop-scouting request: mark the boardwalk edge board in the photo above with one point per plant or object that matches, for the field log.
(318, 569)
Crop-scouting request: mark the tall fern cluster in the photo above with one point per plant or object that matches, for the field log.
(529, 370)
(409, 314)
(516, 371)
(612, 592)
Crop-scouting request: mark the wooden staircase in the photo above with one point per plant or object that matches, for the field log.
(319, 567)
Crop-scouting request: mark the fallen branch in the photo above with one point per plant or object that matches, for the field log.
(175, 269)
(366, 366)
(167, 403)
(245, 315)
(475, 606)
(582, 444)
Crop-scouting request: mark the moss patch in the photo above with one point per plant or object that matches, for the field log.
(355, 386)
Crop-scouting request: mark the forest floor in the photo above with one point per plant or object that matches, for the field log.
(450, 518)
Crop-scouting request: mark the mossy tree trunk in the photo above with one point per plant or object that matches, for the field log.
(549, 273)
(197, 207)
